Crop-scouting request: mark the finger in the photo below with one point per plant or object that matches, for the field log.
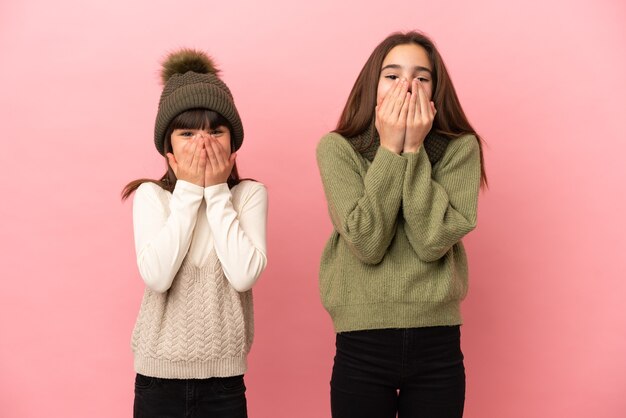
(393, 95)
(403, 97)
(412, 101)
(424, 111)
(196, 155)
(208, 165)
(419, 97)
(405, 107)
(387, 98)
(400, 99)
(202, 159)
(212, 158)
(220, 155)
(200, 149)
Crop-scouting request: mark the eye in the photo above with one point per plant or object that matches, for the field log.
(216, 132)
(423, 79)
(187, 134)
(391, 76)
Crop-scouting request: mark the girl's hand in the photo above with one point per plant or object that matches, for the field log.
(219, 165)
(419, 118)
(192, 164)
(391, 116)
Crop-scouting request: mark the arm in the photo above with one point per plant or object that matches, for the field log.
(363, 209)
(239, 237)
(162, 239)
(440, 211)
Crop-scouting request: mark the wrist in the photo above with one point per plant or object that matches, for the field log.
(409, 150)
(215, 187)
(196, 182)
(395, 150)
(209, 183)
(188, 186)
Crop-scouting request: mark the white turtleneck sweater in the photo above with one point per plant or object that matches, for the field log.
(191, 221)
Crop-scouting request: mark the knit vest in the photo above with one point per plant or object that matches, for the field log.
(200, 328)
(368, 141)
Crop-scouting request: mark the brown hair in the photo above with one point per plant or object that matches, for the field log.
(190, 119)
(450, 120)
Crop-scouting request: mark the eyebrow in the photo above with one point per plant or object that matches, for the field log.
(399, 67)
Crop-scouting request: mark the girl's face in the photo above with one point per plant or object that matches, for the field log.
(406, 62)
(181, 136)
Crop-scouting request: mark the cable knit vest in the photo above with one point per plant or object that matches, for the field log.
(200, 328)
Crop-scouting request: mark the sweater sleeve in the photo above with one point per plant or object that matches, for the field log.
(239, 236)
(162, 236)
(363, 206)
(439, 211)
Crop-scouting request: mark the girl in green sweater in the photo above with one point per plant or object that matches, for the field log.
(401, 174)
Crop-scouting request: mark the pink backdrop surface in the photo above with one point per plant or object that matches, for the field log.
(542, 81)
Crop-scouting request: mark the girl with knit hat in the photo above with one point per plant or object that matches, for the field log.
(200, 241)
(401, 174)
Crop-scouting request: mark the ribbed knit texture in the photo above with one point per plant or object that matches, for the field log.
(196, 91)
(200, 328)
(395, 257)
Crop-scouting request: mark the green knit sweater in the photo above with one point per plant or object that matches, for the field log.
(395, 257)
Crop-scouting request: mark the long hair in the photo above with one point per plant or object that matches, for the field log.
(450, 120)
(190, 119)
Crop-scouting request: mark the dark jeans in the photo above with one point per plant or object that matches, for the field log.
(415, 372)
(217, 397)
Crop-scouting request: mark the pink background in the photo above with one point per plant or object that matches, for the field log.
(542, 81)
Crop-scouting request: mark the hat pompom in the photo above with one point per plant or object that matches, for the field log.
(184, 60)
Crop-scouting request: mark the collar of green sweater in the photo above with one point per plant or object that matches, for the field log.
(368, 141)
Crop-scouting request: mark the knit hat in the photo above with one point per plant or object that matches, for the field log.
(190, 82)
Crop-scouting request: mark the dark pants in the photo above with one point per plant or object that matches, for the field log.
(217, 397)
(415, 372)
